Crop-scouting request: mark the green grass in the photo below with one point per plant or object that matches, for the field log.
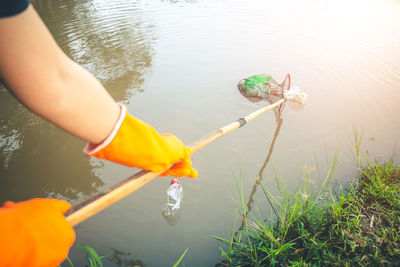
(94, 260)
(180, 258)
(315, 226)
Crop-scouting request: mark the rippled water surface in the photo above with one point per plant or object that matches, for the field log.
(176, 64)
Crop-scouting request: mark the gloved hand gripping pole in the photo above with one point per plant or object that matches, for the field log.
(97, 203)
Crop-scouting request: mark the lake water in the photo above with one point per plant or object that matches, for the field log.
(176, 65)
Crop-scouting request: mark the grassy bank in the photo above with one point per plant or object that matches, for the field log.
(314, 226)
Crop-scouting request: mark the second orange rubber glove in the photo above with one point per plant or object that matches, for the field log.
(134, 143)
(34, 233)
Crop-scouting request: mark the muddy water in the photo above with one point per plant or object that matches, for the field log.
(175, 64)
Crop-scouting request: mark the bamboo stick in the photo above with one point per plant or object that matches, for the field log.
(95, 204)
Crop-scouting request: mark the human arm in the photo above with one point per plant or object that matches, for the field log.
(49, 83)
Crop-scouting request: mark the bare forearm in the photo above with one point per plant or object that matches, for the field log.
(80, 105)
(41, 76)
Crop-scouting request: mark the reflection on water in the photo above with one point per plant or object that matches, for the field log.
(10, 141)
(34, 152)
(10, 137)
(109, 38)
(250, 202)
(124, 259)
(267, 159)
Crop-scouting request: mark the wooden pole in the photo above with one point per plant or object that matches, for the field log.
(95, 204)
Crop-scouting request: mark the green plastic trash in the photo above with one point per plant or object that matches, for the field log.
(255, 80)
(259, 86)
(263, 86)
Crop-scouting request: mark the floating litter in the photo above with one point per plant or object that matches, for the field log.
(263, 86)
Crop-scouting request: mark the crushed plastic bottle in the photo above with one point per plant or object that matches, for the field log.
(175, 195)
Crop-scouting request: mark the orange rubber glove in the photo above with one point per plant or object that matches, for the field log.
(134, 143)
(34, 233)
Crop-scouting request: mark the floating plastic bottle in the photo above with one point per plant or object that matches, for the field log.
(175, 195)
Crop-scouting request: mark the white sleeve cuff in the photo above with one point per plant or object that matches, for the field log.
(91, 148)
